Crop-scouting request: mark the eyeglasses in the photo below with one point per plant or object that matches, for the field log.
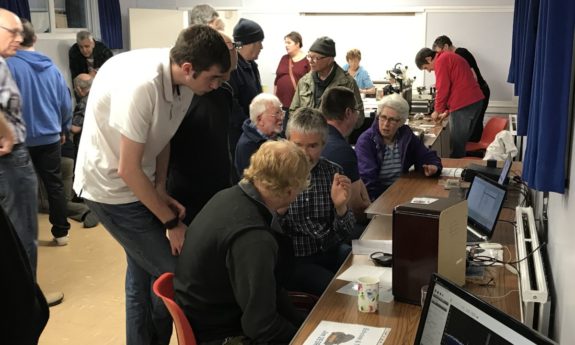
(14, 32)
(315, 59)
(234, 45)
(278, 114)
(392, 120)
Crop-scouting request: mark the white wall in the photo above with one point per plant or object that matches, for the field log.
(144, 24)
(386, 33)
(56, 46)
(561, 245)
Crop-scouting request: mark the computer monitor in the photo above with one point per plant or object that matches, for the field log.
(452, 315)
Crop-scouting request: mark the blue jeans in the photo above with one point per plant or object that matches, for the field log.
(461, 123)
(18, 197)
(149, 254)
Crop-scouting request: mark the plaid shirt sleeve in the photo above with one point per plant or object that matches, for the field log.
(311, 220)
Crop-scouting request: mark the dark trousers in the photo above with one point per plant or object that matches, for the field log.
(478, 129)
(312, 274)
(46, 160)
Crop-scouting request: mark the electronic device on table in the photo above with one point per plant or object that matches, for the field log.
(452, 315)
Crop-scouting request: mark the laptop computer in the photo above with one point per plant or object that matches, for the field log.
(484, 201)
(452, 315)
(503, 180)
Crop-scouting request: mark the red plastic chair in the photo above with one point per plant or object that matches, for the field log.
(164, 288)
(495, 125)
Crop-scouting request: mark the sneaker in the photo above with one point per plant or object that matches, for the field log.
(90, 220)
(54, 298)
(62, 241)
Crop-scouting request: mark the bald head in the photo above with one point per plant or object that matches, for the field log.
(10, 33)
(82, 84)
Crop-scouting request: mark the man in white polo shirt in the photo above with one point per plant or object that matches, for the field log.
(137, 101)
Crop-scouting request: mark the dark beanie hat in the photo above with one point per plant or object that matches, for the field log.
(247, 31)
(324, 46)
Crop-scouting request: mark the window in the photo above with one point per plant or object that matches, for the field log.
(60, 15)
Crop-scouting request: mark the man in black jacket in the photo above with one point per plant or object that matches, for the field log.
(87, 55)
(229, 273)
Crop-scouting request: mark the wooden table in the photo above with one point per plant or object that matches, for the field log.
(403, 318)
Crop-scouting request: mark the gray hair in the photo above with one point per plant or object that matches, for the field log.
(82, 81)
(203, 14)
(259, 104)
(307, 121)
(82, 35)
(396, 102)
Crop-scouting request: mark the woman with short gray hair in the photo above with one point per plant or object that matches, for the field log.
(389, 148)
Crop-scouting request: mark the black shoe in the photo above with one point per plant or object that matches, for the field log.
(90, 220)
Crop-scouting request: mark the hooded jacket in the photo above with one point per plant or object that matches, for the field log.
(370, 150)
(250, 141)
(46, 101)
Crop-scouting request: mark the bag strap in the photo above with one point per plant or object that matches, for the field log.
(290, 63)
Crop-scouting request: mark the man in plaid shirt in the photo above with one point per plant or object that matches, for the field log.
(319, 221)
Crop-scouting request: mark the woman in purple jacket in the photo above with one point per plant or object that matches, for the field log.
(389, 148)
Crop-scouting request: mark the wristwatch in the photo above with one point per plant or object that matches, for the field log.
(172, 223)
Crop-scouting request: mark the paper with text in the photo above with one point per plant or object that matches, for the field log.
(335, 333)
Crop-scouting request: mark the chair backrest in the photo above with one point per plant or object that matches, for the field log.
(303, 301)
(164, 288)
(495, 125)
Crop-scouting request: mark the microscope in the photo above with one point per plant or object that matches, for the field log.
(424, 100)
(399, 82)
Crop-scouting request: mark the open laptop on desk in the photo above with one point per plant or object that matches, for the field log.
(484, 202)
(503, 180)
(452, 315)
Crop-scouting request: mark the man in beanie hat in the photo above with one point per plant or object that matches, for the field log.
(245, 80)
(325, 73)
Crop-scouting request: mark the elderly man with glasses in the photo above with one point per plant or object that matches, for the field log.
(389, 148)
(325, 73)
(265, 123)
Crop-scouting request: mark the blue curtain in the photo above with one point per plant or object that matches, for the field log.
(541, 63)
(20, 7)
(111, 23)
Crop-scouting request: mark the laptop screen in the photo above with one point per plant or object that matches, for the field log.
(484, 201)
(452, 315)
(505, 170)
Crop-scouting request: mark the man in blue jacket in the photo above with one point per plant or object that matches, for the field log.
(47, 112)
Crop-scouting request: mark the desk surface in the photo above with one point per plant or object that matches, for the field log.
(411, 185)
(403, 318)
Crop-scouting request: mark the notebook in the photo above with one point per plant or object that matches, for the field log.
(484, 201)
(452, 315)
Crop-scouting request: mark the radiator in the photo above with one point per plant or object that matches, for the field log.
(534, 295)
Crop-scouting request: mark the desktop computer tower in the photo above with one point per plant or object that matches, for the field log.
(429, 236)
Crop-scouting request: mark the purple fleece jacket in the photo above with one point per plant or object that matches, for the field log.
(370, 150)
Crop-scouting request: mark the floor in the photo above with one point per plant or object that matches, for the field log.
(90, 272)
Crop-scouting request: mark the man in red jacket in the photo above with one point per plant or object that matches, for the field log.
(458, 95)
